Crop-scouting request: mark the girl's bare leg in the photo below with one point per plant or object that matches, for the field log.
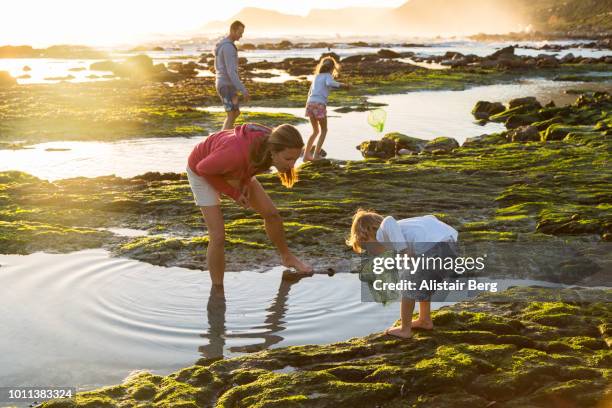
(424, 321)
(262, 203)
(311, 139)
(323, 133)
(404, 330)
(215, 253)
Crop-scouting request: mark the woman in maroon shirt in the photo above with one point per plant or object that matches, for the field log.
(226, 162)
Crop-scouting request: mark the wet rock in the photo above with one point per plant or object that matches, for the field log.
(484, 109)
(567, 58)
(558, 131)
(441, 145)
(529, 100)
(503, 52)
(497, 347)
(547, 61)
(353, 59)
(483, 140)
(380, 149)
(524, 134)
(544, 124)
(385, 53)
(404, 142)
(519, 120)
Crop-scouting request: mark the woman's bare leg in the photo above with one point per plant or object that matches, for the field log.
(215, 253)
(311, 139)
(322, 134)
(262, 203)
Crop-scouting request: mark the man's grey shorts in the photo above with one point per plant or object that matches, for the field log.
(227, 94)
(204, 194)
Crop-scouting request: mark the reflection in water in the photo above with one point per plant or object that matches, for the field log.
(273, 324)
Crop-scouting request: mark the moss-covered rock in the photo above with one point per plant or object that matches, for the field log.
(441, 144)
(485, 109)
(465, 360)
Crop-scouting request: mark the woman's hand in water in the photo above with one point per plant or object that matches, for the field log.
(291, 261)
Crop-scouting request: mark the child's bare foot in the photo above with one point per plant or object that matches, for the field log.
(307, 158)
(399, 332)
(422, 324)
(291, 261)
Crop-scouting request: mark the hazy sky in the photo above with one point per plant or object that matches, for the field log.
(42, 23)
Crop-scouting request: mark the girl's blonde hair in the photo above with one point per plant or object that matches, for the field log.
(364, 227)
(282, 137)
(328, 65)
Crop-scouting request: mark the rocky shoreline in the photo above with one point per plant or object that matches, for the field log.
(143, 105)
(528, 184)
(493, 351)
(543, 180)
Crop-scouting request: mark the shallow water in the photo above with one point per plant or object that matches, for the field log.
(56, 67)
(85, 319)
(425, 114)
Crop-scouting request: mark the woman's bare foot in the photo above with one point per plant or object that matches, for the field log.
(422, 324)
(291, 261)
(399, 332)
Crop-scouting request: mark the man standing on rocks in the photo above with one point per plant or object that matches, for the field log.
(227, 82)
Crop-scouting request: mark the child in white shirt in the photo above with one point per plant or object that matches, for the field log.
(415, 236)
(316, 105)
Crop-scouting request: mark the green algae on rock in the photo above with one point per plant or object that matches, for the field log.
(483, 351)
(489, 189)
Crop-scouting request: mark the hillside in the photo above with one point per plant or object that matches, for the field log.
(434, 17)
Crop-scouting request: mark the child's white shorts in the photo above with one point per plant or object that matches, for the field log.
(204, 194)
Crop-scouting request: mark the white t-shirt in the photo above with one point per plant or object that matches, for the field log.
(416, 234)
(319, 89)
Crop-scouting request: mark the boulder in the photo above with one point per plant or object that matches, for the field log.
(485, 109)
(524, 134)
(568, 58)
(381, 149)
(544, 124)
(352, 59)
(522, 109)
(528, 100)
(547, 61)
(558, 131)
(503, 53)
(404, 142)
(519, 120)
(483, 140)
(441, 144)
(385, 53)
(6, 80)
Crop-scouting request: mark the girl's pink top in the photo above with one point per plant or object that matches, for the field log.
(225, 155)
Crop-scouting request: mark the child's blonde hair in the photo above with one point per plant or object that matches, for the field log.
(328, 65)
(364, 227)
